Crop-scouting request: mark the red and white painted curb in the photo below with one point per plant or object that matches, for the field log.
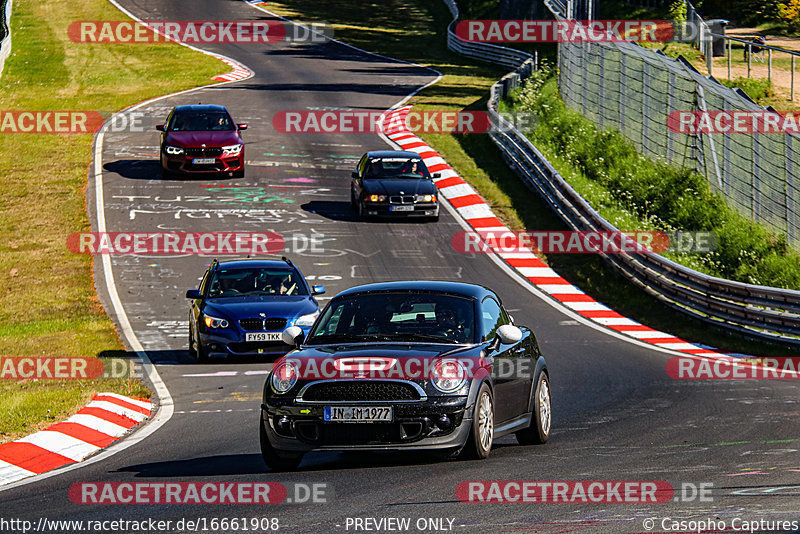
(239, 72)
(471, 206)
(97, 425)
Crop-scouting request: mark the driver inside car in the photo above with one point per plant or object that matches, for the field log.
(447, 321)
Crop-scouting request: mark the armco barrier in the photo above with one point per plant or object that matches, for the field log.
(5, 32)
(760, 311)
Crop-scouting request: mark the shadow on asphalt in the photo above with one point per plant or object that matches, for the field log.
(144, 169)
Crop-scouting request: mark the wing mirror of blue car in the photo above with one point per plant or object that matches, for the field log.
(242, 126)
(293, 336)
(160, 127)
(436, 175)
(354, 174)
(194, 294)
(317, 290)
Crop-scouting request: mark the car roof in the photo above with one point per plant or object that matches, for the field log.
(440, 286)
(201, 107)
(253, 262)
(392, 154)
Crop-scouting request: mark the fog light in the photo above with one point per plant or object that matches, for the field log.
(444, 422)
(283, 423)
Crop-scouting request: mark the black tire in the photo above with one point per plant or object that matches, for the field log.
(353, 201)
(435, 218)
(238, 174)
(360, 211)
(200, 354)
(539, 431)
(192, 351)
(479, 444)
(274, 459)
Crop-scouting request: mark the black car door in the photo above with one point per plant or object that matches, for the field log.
(509, 368)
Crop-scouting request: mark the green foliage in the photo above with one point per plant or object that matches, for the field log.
(677, 11)
(757, 89)
(606, 168)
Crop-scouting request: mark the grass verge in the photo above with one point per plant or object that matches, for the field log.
(414, 30)
(49, 306)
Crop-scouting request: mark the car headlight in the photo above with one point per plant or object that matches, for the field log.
(215, 322)
(284, 377)
(174, 150)
(307, 320)
(448, 375)
(375, 198)
(425, 198)
(231, 150)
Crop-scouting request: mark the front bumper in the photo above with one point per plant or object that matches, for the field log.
(186, 164)
(421, 209)
(231, 342)
(292, 426)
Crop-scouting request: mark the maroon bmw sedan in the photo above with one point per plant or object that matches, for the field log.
(201, 138)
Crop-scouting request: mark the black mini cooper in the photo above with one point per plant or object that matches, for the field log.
(406, 365)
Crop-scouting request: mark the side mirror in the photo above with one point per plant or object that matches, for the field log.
(194, 294)
(160, 127)
(436, 175)
(242, 126)
(317, 290)
(293, 336)
(509, 334)
(354, 174)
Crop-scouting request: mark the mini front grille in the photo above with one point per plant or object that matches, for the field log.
(262, 324)
(361, 390)
(408, 199)
(204, 152)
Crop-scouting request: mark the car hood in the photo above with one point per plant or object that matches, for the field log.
(398, 186)
(387, 350)
(248, 307)
(195, 139)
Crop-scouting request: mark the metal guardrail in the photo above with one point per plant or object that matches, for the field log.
(760, 311)
(5, 32)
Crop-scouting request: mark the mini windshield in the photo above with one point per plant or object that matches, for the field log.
(395, 316)
(206, 121)
(255, 281)
(401, 167)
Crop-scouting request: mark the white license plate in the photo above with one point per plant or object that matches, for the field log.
(401, 208)
(262, 336)
(203, 161)
(357, 414)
